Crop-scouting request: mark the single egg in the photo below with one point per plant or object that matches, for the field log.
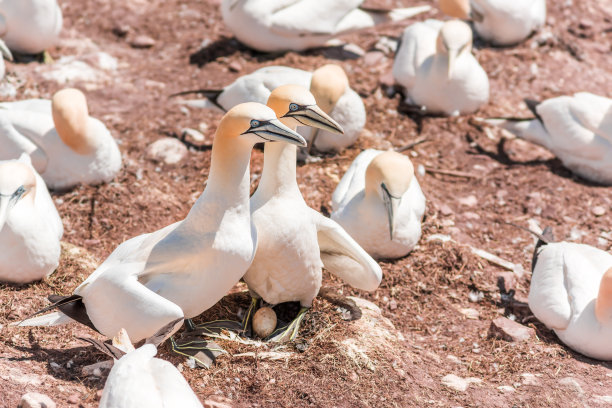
(264, 322)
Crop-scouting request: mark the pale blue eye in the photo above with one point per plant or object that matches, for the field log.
(293, 107)
(254, 123)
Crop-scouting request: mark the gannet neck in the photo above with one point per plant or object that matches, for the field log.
(456, 8)
(603, 304)
(328, 84)
(279, 171)
(71, 119)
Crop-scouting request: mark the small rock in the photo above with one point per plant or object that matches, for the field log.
(97, 369)
(373, 58)
(353, 49)
(142, 41)
(168, 150)
(509, 330)
(470, 313)
(457, 383)
(471, 215)
(392, 304)
(454, 359)
(468, 201)
(506, 389)
(529, 379)
(235, 66)
(445, 210)
(36, 400)
(194, 134)
(121, 30)
(602, 399)
(598, 211)
(572, 384)
(74, 398)
(218, 401)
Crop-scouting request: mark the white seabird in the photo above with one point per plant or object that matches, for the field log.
(380, 204)
(437, 69)
(67, 146)
(183, 269)
(296, 25)
(500, 22)
(30, 26)
(30, 227)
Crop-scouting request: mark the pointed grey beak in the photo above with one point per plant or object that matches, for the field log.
(5, 51)
(274, 131)
(4, 204)
(312, 115)
(452, 56)
(391, 203)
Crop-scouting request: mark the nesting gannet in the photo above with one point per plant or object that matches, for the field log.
(67, 145)
(571, 293)
(30, 26)
(329, 85)
(185, 268)
(30, 227)
(296, 25)
(437, 69)
(500, 22)
(294, 241)
(577, 129)
(380, 204)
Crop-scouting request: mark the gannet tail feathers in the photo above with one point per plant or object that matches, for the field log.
(532, 130)
(71, 308)
(399, 14)
(210, 101)
(51, 319)
(532, 104)
(104, 347)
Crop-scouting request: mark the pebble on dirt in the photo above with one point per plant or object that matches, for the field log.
(506, 329)
(167, 150)
(36, 400)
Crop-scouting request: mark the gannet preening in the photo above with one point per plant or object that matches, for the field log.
(294, 241)
(577, 129)
(437, 69)
(67, 146)
(185, 268)
(30, 227)
(380, 204)
(500, 22)
(296, 25)
(329, 84)
(30, 26)
(571, 293)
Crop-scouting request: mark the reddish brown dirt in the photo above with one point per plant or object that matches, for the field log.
(422, 294)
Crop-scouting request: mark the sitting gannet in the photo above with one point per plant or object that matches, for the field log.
(437, 69)
(296, 25)
(571, 293)
(67, 145)
(500, 22)
(185, 268)
(577, 129)
(30, 26)
(380, 204)
(30, 227)
(294, 241)
(329, 85)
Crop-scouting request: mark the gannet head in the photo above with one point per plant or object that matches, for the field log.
(388, 177)
(256, 123)
(603, 304)
(17, 181)
(456, 8)
(296, 106)
(71, 118)
(454, 39)
(328, 84)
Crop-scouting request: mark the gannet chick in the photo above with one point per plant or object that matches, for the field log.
(571, 293)
(329, 85)
(437, 69)
(294, 241)
(67, 146)
(296, 25)
(30, 227)
(577, 129)
(380, 204)
(185, 268)
(500, 22)
(30, 26)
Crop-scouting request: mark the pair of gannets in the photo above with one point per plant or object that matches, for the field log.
(30, 26)
(571, 293)
(329, 85)
(437, 69)
(284, 25)
(66, 145)
(30, 227)
(500, 22)
(380, 204)
(577, 129)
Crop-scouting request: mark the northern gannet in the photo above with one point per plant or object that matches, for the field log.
(329, 85)
(577, 129)
(30, 26)
(67, 146)
(571, 293)
(296, 25)
(183, 269)
(380, 204)
(437, 69)
(30, 227)
(294, 241)
(500, 22)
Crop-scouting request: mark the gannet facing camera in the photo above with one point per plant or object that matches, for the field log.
(380, 204)
(30, 26)
(500, 22)
(67, 146)
(437, 69)
(185, 268)
(30, 227)
(296, 25)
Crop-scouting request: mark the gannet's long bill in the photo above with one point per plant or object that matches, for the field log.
(5, 54)
(500, 22)
(295, 241)
(296, 25)
(380, 204)
(185, 268)
(30, 227)
(577, 129)
(67, 146)
(435, 66)
(30, 26)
